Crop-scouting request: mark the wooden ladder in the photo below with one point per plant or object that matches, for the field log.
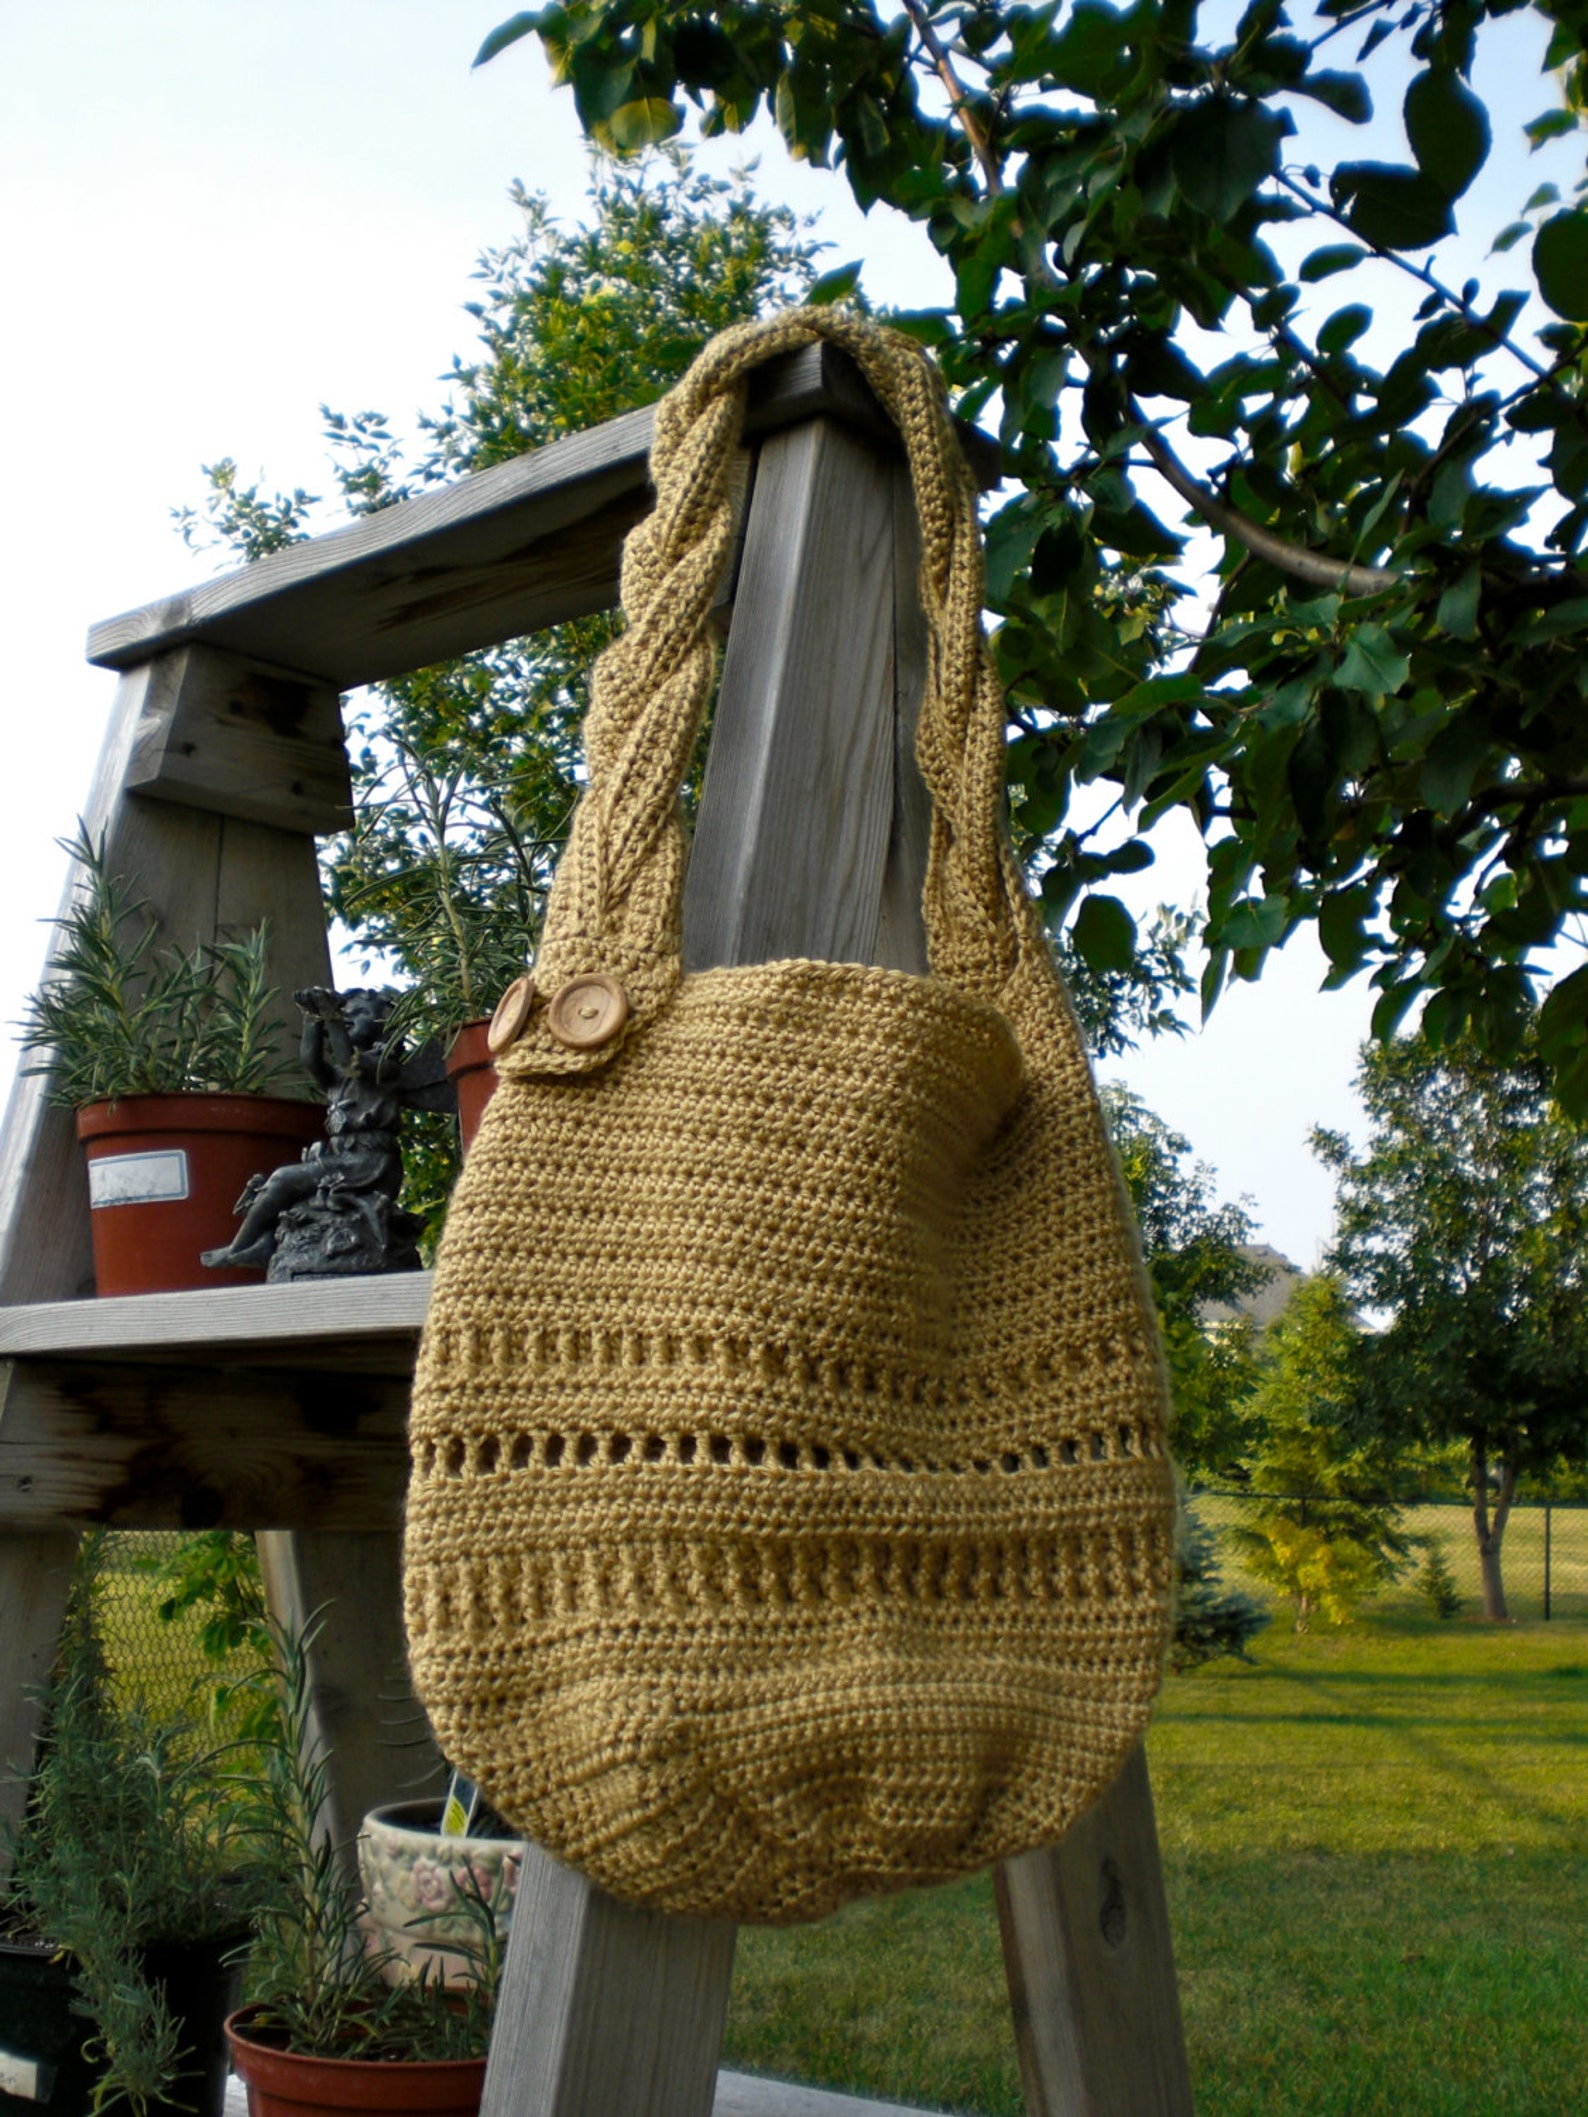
(282, 1409)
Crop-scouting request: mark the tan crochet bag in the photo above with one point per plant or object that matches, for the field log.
(790, 1515)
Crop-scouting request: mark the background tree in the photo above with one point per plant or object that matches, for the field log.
(1194, 1256)
(465, 773)
(1381, 727)
(1464, 1226)
(1324, 1528)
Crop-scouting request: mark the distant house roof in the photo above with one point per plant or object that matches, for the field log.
(1266, 1302)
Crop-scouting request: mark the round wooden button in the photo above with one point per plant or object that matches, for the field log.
(512, 1012)
(588, 1012)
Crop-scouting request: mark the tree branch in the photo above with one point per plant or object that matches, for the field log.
(1314, 567)
(958, 95)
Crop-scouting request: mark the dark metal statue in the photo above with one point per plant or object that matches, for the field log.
(334, 1212)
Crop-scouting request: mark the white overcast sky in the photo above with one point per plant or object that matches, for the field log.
(217, 215)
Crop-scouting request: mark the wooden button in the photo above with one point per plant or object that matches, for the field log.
(588, 1012)
(512, 1012)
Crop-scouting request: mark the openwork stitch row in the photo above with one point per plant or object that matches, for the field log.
(490, 1455)
(1120, 1564)
(510, 1350)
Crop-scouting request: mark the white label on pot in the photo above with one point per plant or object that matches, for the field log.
(137, 1179)
(29, 2079)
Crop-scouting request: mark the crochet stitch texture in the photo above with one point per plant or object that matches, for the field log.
(790, 1515)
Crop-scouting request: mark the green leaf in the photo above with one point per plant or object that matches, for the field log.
(1448, 128)
(836, 285)
(1343, 328)
(1508, 238)
(1452, 764)
(645, 122)
(1335, 257)
(1104, 934)
(1458, 606)
(1088, 54)
(1256, 922)
(1553, 125)
(1222, 150)
(1560, 264)
(1345, 94)
(1392, 208)
(506, 33)
(1373, 664)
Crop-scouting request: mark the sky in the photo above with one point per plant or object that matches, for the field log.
(216, 216)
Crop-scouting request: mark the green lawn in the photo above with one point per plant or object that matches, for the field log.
(1376, 1846)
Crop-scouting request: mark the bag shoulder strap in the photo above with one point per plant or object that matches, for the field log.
(616, 901)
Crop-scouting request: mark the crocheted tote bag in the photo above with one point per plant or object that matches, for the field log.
(790, 1517)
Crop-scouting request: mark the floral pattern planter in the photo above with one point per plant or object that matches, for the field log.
(411, 1874)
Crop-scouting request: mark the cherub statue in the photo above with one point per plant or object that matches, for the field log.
(334, 1211)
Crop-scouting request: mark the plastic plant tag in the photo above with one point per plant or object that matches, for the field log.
(458, 1809)
(28, 2079)
(138, 1179)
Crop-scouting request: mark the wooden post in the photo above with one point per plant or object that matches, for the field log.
(1090, 1964)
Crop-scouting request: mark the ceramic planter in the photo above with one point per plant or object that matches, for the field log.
(472, 1071)
(290, 2084)
(410, 1871)
(164, 1176)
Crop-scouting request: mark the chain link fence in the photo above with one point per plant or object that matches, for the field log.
(1544, 1553)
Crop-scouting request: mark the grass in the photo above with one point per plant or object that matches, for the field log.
(1376, 1850)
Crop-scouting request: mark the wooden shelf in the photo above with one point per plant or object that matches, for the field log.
(259, 1407)
(371, 1324)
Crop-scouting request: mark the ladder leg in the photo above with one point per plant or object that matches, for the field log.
(1090, 1965)
(35, 1576)
(364, 1711)
(605, 2007)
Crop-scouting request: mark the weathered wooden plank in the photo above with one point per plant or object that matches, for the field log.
(218, 734)
(35, 1574)
(1090, 1962)
(505, 552)
(748, 2095)
(797, 805)
(365, 1716)
(605, 2006)
(377, 1319)
(154, 1447)
(738, 2095)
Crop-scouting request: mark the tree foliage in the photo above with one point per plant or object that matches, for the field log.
(1192, 1246)
(1464, 1226)
(1169, 294)
(1324, 1527)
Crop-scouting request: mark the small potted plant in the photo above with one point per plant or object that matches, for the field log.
(132, 1888)
(421, 1864)
(168, 1058)
(328, 2029)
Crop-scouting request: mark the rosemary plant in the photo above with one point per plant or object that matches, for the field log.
(120, 1014)
(318, 1989)
(133, 1837)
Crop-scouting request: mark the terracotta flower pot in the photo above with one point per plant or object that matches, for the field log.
(411, 1873)
(472, 1070)
(290, 2084)
(164, 1176)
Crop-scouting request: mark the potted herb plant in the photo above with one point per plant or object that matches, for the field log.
(327, 2028)
(133, 1886)
(168, 1058)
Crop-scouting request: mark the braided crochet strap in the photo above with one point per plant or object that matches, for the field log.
(616, 902)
